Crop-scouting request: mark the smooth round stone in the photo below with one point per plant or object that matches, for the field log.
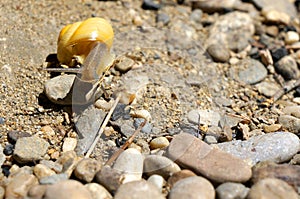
(159, 142)
(69, 144)
(192, 188)
(292, 110)
(29, 149)
(272, 188)
(124, 64)
(282, 146)
(196, 15)
(160, 165)
(41, 171)
(67, 189)
(288, 68)
(36, 191)
(272, 128)
(9, 149)
(110, 178)
(137, 190)
(268, 89)
(131, 163)
(218, 53)
(290, 123)
(157, 181)
(209, 139)
(275, 16)
(86, 169)
(291, 37)
(179, 176)
(97, 191)
(231, 190)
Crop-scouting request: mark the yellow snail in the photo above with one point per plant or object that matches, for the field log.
(89, 43)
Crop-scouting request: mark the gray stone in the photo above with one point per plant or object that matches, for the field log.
(2, 157)
(218, 53)
(209, 139)
(86, 169)
(232, 30)
(231, 190)
(87, 125)
(288, 68)
(207, 117)
(196, 15)
(67, 189)
(137, 190)
(290, 123)
(268, 89)
(29, 149)
(160, 165)
(282, 146)
(279, 5)
(163, 18)
(216, 165)
(130, 162)
(251, 71)
(146, 129)
(272, 188)
(124, 64)
(192, 188)
(53, 179)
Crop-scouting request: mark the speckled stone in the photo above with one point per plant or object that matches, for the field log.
(86, 169)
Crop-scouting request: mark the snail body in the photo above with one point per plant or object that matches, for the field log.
(89, 43)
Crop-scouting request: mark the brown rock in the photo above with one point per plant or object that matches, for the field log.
(286, 172)
(137, 190)
(19, 185)
(98, 191)
(67, 189)
(41, 171)
(272, 188)
(86, 169)
(193, 188)
(37, 191)
(219, 166)
(179, 176)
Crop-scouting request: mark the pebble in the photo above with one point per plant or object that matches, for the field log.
(157, 181)
(53, 179)
(193, 188)
(41, 171)
(2, 120)
(97, 191)
(58, 88)
(20, 185)
(124, 64)
(291, 37)
(277, 147)
(141, 114)
(130, 162)
(214, 5)
(87, 125)
(2, 157)
(162, 18)
(288, 68)
(150, 5)
(274, 16)
(279, 53)
(67, 189)
(218, 53)
(185, 173)
(272, 128)
(268, 89)
(231, 190)
(286, 172)
(69, 144)
(196, 15)
(209, 139)
(146, 129)
(137, 190)
(37, 191)
(289, 123)
(110, 178)
(86, 169)
(13, 136)
(292, 110)
(272, 188)
(160, 165)
(207, 117)
(30, 149)
(232, 30)
(251, 71)
(279, 5)
(192, 153)
(159, 142)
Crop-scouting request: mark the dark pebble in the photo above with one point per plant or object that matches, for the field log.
(150, 5)
(13, 136)
(162, 17)
(8, 149)
(120, 112)
(2, 120)
(278, 54)
(288, 68)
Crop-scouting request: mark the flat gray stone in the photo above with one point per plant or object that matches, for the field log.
(251, 71)
(277, 147)
(30, 149)
(207, 117)
(279, 5)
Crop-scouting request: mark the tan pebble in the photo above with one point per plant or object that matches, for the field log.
(37, 191)
(291, 37)
(41, 171)
(48, 130)
(98, 191)
(233, 60)
(102, 104)
(108, 131)
(55, 155)
(159, 142)
(135, 146)
(141, 114)
(138, 21)
(69, 144)
(276, 16)
(60, 119)
(179, 176)
(272, 128)
(296, 100)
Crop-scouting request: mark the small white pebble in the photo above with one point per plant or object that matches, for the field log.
(69, 144)
(291, 37)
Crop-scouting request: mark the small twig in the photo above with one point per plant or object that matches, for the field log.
(99, 133)
(127, 143)
(285, 89)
